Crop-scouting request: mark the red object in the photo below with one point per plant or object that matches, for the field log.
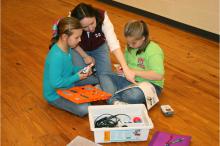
(137, 120)
(83, 94)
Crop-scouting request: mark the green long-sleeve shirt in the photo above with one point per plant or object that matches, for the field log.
(59, 72)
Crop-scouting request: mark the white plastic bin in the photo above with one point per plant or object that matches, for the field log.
(134, 132)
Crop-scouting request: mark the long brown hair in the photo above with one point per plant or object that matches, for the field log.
(65, 26)
(83, 10)
(137, 29)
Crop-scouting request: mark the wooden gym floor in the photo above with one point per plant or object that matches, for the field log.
(191, 80)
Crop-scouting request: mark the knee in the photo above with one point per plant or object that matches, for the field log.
(134, 95)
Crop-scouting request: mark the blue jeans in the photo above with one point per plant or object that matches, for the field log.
(102, 59)
(112, 83)
(77, 109)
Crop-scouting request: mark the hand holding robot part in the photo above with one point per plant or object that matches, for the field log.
(87, 69)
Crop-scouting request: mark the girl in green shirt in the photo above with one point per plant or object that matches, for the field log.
(145, 58)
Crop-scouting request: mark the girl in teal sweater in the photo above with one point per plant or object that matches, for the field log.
(59, 71)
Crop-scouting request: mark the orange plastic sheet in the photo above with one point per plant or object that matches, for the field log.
(83, 94)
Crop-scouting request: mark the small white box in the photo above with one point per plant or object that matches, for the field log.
(133, 132)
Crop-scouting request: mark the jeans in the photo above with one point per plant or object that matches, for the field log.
(77, 109)
(112, 83)
(102, 59)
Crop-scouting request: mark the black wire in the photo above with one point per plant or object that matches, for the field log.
(108, 121)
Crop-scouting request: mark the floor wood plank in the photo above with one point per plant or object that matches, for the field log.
(191, 79)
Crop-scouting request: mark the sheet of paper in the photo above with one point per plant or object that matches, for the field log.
(81, 141)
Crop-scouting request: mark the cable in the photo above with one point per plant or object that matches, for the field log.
(108, 121)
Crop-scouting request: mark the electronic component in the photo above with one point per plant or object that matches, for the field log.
(110, 121)
(86, 69)
(137, 120)
(167, 110)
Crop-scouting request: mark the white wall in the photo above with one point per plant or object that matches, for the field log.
(203, 14)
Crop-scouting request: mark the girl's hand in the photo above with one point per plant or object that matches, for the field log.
(130, 75)
(85, 72)
(84, 75)
(89, 60)
(90, 72)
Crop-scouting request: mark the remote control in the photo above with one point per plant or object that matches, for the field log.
(167, 110)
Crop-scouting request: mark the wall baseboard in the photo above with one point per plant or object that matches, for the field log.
(173, 23)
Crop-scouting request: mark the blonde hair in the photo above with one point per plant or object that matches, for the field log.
(137, 29)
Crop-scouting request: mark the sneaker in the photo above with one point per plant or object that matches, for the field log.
(117, 102)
